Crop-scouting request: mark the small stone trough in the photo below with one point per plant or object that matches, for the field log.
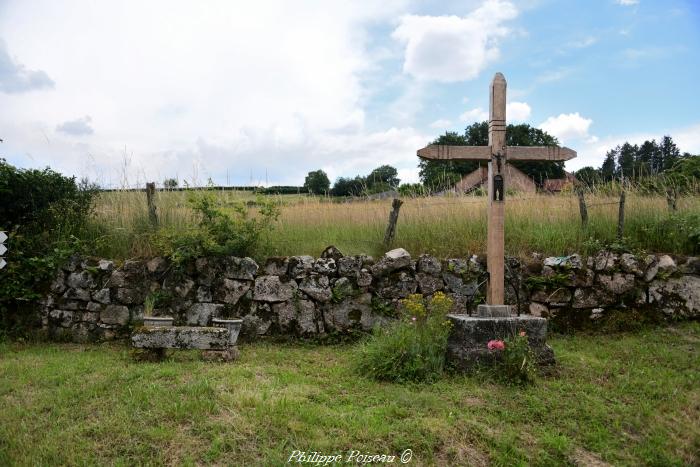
(217, 342)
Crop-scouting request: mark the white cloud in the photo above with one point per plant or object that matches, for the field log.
(77, 127)
(517, 112)
(452, 48)
(567, 126)
(627, 2)
(16, 78)
(474, 115)
(442, 123)
(180, 89)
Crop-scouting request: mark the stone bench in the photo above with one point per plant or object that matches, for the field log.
(217, 343)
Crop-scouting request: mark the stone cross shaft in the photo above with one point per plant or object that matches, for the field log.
(496, 153)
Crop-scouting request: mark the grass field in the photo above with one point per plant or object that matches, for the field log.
(627, 399)
(444, 226)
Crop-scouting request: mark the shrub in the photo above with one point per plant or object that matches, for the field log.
(413, 190)
(219, 233)
(413, 348)
(44, 214)
(514, 359)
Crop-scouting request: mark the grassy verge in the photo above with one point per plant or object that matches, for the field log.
(443, 226)
(626, 399)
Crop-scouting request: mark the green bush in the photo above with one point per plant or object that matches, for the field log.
(516, 364)
(219, 233)
(413, 348)
(413, 190)
(44, 214)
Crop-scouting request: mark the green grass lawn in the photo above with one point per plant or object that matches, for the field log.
(625, 399)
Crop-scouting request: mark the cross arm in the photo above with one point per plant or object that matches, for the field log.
(539, 153)
(513, 153)
(444, 152)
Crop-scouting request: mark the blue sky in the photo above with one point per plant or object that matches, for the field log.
(249, 92)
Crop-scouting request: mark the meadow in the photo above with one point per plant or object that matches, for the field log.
(623, 399)
(446, 226)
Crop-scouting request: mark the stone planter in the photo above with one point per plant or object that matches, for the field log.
(233, 326)
(158, 321)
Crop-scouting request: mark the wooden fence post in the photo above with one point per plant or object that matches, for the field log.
(621, 217)
(671, 198)
(582, 207)
(150, 199)
(393, 217)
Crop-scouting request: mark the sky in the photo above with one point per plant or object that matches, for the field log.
(264, 92)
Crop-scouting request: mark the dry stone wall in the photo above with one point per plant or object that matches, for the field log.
(97, 299)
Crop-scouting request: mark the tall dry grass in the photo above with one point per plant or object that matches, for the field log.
(443, 226)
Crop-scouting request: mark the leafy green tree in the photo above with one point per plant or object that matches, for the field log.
(645, 156)
(669, 153)
(440, 175)
(609, 168)
(349, 186)
(626, 155)
(170, 183)
(384, 175)
(688, 167)
(588, 175)
(317, 182)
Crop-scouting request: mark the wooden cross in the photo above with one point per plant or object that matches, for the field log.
(497, 153)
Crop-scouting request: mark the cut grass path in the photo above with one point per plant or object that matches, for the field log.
(625, 399)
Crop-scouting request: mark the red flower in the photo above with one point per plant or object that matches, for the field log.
(496, 345)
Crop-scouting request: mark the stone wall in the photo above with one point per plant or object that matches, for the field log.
(303, 296)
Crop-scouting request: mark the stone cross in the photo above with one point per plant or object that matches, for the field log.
(497, 154)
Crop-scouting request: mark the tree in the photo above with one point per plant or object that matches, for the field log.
(440, 175)
(170, 183)
(608, 169)
(444, 174)
(385, 175)
(669, 153)
(688, 166)
(349, 186)
(644, 158)
(626, 156)
(317, 182)
(588, 175)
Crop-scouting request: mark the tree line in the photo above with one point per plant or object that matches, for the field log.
(643, 162)
(441, 175)
(624, 162)
(381, 179)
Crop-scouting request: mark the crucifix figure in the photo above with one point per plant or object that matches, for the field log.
(497, 154)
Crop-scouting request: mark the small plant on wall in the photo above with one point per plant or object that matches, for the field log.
(413, 348)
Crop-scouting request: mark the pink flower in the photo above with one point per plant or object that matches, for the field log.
(522, 333)
(496, 345)
(413, 319)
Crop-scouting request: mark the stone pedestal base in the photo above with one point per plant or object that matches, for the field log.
(493, 311)
(471, 334)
